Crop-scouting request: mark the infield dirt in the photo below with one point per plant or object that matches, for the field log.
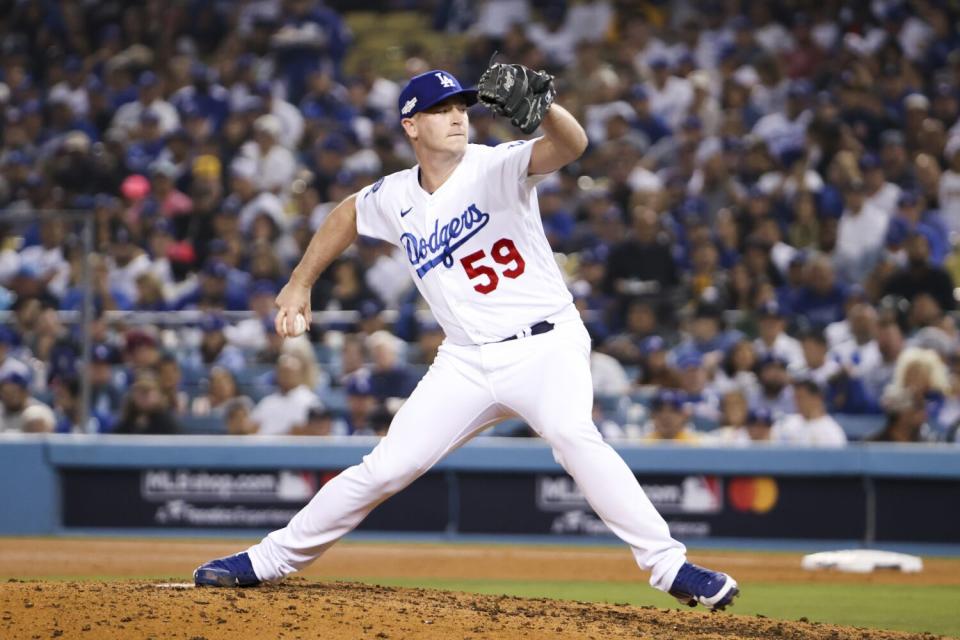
(301, 608)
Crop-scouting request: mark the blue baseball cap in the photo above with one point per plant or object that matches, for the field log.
(689, 360)
(760, 414)
(427, 89)
(897, 232)
(16, 378)
(870, 161)
(216, 268)
(359, 385)
(668, 398)
(908, 198)
(652, 344)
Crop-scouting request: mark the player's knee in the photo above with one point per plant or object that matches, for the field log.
(571, 436)
(394, 476)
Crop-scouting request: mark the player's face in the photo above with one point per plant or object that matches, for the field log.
(442, 127)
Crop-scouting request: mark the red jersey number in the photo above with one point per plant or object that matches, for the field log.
(503, 252)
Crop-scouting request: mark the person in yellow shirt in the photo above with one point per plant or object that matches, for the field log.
(670, 419)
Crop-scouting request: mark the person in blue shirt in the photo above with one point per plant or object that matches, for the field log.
(821, 300)
(204, 95)
(650, 124)
(912, 217)
(219, 286)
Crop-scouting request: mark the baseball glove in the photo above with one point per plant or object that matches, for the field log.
(516, 92)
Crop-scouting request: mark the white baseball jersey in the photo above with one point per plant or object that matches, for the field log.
(475, 247)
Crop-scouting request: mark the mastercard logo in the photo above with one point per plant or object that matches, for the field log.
(758, 495)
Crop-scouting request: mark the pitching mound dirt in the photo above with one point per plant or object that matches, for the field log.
(350, 611)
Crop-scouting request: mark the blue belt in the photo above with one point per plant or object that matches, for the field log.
(535, 330)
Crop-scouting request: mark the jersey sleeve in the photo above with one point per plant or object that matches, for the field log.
(513, 159)
(373, 219)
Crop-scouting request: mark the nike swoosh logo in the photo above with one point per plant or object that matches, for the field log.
(405, 211)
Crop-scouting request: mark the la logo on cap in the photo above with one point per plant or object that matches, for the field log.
(445, 80)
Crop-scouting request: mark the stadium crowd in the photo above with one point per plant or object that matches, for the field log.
(763, 234)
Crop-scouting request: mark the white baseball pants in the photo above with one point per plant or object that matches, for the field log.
(544, 379)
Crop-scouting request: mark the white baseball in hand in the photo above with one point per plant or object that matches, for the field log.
(299, 325)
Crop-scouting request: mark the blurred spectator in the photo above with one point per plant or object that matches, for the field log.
(654, 368)
(128, 262)
(923, 374)
(236, 414)
(429, 338)
(815, 364)
(142, 351)
(169, 378)
(319, 423)
(352, 357)
(708, 336)
(145, 411)
(214, 348)
(669, 419)
(640, 324)
(921, 277)
(949, 188)
(8, 362)
(275, 165)
(221, 388)
(390, 377)
(775, 394)
(38, 418)
(859, 353)
(737, 370)
(820, 301)
(385, 267)
(773, 338)
(280, 412)
(811, 425)
(252, 333)
(746, 426)
(608, 375)
(149, 100)
(890, 344)
(642, 264)
(905, 418)
(361, 403)
(700, 401)
(15, 402)
(880, 193)
(759, 426)
(860, 234)
(65, 405)
(108, 386)
(46, 260)
(301, 348)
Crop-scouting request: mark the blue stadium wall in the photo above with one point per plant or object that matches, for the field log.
(867, 494)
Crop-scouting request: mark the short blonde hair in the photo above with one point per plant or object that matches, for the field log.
(927, 358)
(40, 413)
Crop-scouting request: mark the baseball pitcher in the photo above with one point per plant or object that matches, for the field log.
(468, 220)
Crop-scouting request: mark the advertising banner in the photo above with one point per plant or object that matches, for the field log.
(186, 498)
(694, 505)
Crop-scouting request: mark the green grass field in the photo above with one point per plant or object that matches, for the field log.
(903, 608)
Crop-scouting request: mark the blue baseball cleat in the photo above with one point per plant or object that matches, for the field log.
(696, 585)
(232, 571)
